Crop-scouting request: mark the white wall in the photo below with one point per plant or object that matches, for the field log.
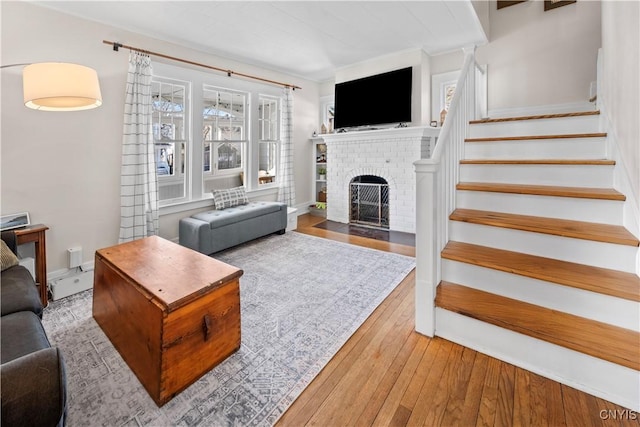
(621, 85)
(541, 58)
(536, 58)
(64, 168)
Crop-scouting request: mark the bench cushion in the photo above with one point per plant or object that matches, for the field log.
(220, 218)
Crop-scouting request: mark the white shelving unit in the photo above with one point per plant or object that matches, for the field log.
(319, 165)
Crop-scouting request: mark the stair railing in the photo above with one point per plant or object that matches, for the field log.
(436, 180)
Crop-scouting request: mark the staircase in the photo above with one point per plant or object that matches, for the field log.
(539, 270)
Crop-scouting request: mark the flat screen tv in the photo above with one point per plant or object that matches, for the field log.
(375, 100)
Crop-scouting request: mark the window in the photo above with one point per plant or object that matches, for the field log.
(268, 138)
(224, 132)
(170, 108)
(213, 132)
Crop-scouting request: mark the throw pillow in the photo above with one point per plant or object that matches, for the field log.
(229, 197)
(7, 257)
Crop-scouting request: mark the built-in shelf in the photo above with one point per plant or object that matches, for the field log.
(319, 185)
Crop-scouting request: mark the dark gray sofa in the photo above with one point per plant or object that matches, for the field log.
(32, 375)
(215, 230)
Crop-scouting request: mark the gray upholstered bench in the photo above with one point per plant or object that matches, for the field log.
(215, 230)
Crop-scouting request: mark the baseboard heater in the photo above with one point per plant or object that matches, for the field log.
(61, 288)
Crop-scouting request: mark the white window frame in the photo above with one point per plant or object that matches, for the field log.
(197, 195)
(216, 143)
(181, 166)
(275, 139)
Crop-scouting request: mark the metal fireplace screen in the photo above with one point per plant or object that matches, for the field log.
(370, 204)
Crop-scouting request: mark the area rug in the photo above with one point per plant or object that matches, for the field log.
(302, 297)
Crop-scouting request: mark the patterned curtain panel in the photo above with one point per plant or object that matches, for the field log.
(138, 182)
(287, 189)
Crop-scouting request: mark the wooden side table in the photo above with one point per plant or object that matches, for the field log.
(35, 234)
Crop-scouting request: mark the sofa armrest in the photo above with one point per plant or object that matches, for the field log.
(195, 234)
(34, 389)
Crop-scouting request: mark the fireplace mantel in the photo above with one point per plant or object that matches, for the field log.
(417, 133)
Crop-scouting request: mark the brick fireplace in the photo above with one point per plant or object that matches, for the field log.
(386, 153)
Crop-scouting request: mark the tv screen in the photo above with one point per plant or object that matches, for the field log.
(381, 99)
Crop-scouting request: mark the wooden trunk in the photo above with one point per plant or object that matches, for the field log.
(171, 312)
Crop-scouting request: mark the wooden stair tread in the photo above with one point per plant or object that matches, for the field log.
(544, 190)
(536, 117)
(594, 162)
(558, 227)
(612, 343)
(595, 279)
(530, 137)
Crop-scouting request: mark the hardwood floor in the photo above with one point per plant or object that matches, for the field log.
(387, 374)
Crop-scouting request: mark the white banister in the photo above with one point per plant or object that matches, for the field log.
(436, 180)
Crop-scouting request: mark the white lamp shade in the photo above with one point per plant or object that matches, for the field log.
(57, 86)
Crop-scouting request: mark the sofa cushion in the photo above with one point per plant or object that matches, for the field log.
(18, 292)
(21, 333)
(220, 218)
(7, 257)
(229, 197)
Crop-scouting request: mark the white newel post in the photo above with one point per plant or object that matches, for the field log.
(427, 253)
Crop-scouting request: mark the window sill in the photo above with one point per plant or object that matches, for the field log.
(207, 201)
(173, 208)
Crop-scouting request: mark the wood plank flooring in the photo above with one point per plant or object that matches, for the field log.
(387, 374)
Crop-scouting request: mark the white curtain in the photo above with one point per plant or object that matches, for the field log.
(287, 189)
(138, 182)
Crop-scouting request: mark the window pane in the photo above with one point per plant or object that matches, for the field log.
(229, 132)
(207, 158)
(169, 109)
(229, 155)
(268, 158)
(224, 129)
(268, 139)
(268, 119)
(165, 158)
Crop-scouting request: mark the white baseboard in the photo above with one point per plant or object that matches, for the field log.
(542, 109)
(303, 208)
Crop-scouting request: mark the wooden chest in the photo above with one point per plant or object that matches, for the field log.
(171, 312)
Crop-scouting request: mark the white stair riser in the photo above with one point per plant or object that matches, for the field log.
(598, 254)
(574, 148)
(558, 175)
(595, 376)
(577, 209)
(590, 305)
(557, 126)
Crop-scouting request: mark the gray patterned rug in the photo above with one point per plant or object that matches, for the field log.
(301, 297)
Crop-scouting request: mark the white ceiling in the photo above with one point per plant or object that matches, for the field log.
(310, 39)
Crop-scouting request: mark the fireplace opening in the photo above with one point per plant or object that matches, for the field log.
(369, 197)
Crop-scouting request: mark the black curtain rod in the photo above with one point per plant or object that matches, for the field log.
(229, 73)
